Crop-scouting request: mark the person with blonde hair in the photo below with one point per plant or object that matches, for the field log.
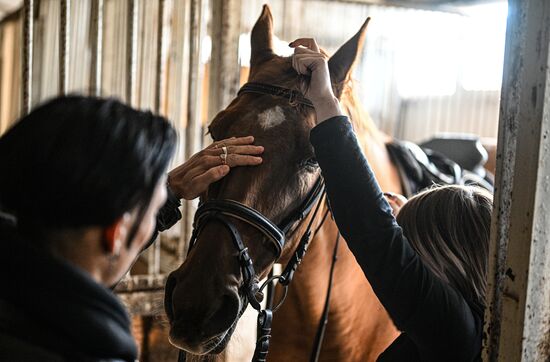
(428, 266)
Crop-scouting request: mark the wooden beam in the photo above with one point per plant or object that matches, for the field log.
(64, 43)
(159, 71)
(97, 47)
(450, 6)
(224, 62)
(194, 91)
(144, 303)
(28, 31)
(131, 50)
(518, 317)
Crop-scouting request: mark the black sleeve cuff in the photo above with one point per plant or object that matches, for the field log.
(324, 132)
(169, 214)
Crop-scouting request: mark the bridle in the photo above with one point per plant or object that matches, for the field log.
(225, 212)
(294, 97)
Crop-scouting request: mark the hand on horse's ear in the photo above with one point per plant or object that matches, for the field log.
(308, 60)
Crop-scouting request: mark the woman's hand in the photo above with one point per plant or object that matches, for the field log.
(308, 60)
(396, 201)
(193, 177)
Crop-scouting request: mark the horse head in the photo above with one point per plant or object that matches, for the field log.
(206, 295)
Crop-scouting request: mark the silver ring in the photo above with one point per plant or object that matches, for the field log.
(223, 156)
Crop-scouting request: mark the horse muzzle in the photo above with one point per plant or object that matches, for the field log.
(201, 324)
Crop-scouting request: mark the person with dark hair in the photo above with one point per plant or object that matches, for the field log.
(81, 182)
(428, 266)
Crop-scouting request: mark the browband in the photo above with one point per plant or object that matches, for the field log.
(294, 97)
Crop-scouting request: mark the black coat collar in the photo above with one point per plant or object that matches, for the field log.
(64, 299)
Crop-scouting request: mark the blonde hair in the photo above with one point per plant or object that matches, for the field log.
(449, 227)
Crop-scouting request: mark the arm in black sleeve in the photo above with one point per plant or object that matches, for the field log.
(433, 314)
(167, 216)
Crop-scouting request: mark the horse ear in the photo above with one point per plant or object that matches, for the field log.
(262, 37)
(341, 63)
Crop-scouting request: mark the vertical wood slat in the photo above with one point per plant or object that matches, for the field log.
(64, 44)
(97, 47)
(193, 102)
(28, 35)
(518, 316)
(224, 67)
(157, 103)
(176, 91)
(131, 49)
(159, 62)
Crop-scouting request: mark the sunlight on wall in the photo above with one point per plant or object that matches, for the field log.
(436, 53)
(421, 73)
(426, 53)
(483, 46)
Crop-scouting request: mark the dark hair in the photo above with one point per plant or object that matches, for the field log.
(81, 161)
(449, 226)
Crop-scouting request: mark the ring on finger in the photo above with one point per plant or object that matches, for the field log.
(223, 156)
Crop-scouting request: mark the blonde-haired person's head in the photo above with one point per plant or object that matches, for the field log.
(449, 227)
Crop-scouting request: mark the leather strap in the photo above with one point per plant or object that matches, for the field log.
(294, 97)
(244, 213)
(304, 209)
(225, 210)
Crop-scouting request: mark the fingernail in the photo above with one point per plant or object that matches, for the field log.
(259, 159)
(261, 148)
(226, 169)
(290, 44)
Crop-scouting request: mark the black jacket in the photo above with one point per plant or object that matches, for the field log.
(438, 324)
(52, 311)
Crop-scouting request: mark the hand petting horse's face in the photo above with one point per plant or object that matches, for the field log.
(204, 298)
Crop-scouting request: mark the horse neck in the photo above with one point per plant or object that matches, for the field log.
(358, 327)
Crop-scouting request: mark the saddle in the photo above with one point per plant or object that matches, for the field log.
(440, 161)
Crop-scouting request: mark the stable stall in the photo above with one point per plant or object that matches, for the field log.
(429, 68)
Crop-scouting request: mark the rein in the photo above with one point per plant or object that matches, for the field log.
(225, 211)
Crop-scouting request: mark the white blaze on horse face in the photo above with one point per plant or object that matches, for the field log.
(271, 117)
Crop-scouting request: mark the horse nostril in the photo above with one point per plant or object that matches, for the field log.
(168, 289)
(223, 316)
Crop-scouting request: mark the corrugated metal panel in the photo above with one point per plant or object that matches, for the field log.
(385, 70)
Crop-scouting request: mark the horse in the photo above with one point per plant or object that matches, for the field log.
(205, 296)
